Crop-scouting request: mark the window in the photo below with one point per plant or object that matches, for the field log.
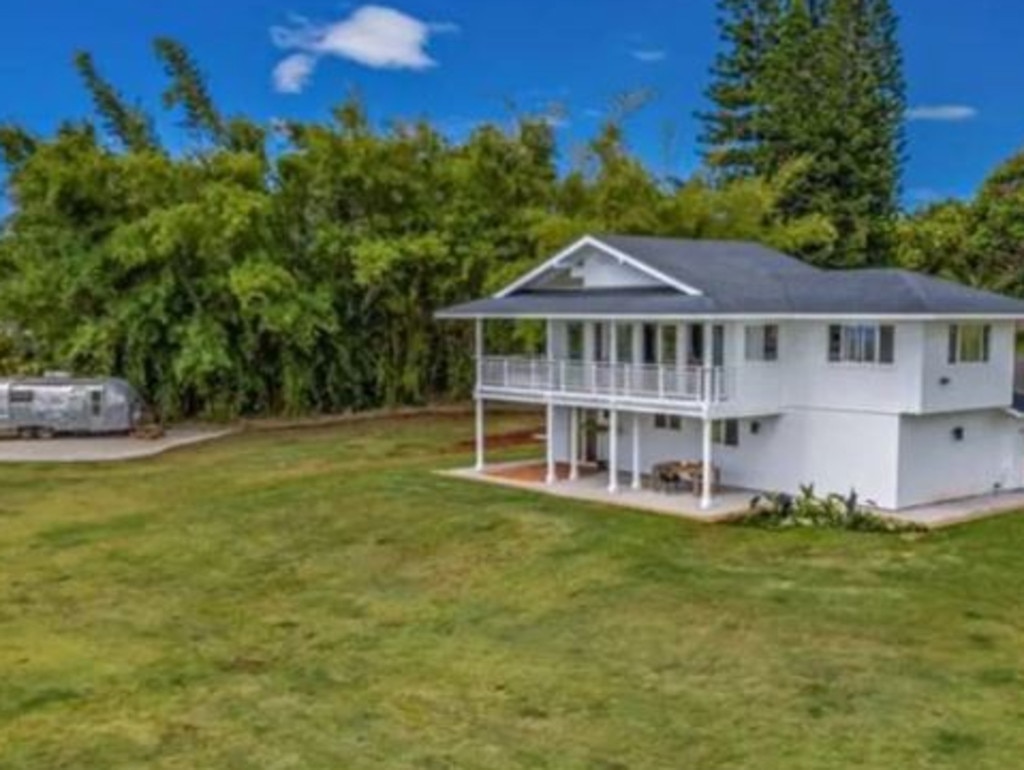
(21, 396)
(96, 402)
(696, 346)
(669, 344)
(726, 432)
(624, 343)
(718, 345)
(861, 344)
(762, 343)
(574, 334)
(969, 343)
(650, 340)
(600, 342)
(668, 422)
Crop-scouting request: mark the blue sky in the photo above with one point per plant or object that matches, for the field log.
(464, 61)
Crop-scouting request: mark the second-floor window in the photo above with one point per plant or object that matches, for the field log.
(761, 343)
(862, 343)
(969, 343)
(574, 341)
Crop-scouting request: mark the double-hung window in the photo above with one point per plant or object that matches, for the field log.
(969, 343)
(862, 343)
(668, 422)
(726, 432)
(761, 343)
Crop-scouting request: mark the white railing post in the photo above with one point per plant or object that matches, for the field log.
(661, 382)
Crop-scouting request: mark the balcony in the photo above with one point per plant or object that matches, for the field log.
(641, 384)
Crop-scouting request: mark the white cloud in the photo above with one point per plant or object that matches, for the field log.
(650, 55)
(292, 74)
(373, 35)
(557, 121)
(946, 113)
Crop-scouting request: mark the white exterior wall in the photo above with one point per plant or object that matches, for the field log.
(883, 430)
(601, 270)
(834, 451)
(949, 387)
(933, 466)
(812, 381)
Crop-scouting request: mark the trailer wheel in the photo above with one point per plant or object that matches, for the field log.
(27, 432)
(45, 433)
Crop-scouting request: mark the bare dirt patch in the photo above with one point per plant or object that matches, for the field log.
(536, 472)
(514, 438)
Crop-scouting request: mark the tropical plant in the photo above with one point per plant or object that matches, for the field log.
(807, 510)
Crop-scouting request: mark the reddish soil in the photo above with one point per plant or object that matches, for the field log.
(510, 439)
(535, 472)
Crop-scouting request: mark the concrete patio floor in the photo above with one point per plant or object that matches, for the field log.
(729, 503)
(593, 487)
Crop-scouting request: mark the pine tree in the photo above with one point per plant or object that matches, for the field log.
(825, 85)
(730, 136)
(856, 135)
(787, 125)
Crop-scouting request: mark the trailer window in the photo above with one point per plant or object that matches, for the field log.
(96, 403)
(21, 396)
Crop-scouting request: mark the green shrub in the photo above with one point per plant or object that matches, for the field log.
(782, 511)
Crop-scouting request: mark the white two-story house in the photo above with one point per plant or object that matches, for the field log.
(773, 372)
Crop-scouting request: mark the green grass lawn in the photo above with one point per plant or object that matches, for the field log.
(321, 599)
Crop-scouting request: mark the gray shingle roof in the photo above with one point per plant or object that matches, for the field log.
(746, 278)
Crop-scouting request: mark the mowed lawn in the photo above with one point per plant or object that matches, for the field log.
(322, 599)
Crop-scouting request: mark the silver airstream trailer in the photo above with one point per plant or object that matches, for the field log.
(60, 404)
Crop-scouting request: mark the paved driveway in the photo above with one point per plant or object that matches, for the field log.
(101, 448)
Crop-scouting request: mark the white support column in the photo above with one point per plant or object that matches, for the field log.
(637, 481)
(479, 434)
(480, 440)
(613, 358)
(552, 475)
(708, 353)
(574, 443)
(706, 499)
(613, 452)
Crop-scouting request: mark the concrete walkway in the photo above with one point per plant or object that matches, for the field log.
(938, 515)
(97, 449)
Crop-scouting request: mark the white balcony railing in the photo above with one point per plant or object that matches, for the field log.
(641, 382)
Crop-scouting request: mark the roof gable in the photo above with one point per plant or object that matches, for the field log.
(615, 265)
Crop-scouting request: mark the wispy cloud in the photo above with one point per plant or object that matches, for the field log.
(373, 35)
(649, 55)
(292, 73)
(943, 113)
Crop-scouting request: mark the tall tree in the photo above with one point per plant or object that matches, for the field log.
(730, 135)
(126, 124)
(188, 90)
(861, 152)
(827, 84)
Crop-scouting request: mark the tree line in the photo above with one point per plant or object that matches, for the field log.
(295, 267)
